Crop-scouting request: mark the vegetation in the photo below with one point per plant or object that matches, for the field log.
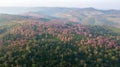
(60, 37)
(51, 44)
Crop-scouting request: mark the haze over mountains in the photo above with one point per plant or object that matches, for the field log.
(85, 16)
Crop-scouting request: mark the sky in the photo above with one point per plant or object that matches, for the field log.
(99, 4)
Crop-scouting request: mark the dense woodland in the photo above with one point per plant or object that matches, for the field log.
(58, 44)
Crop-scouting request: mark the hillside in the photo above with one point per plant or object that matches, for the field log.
(86, 16)
(62, 37)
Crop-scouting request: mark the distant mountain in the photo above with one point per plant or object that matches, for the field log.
(91, 16)
(86, 16)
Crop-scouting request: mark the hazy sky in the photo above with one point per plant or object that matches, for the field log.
(100, 4)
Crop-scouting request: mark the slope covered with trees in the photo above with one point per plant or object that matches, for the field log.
(58, 44)
(60, 37)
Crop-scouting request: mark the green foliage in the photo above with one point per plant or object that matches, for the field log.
(54, 45)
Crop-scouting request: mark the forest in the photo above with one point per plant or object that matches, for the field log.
(60, 37)
(44, 44)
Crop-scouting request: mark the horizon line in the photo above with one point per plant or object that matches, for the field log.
(57, 7)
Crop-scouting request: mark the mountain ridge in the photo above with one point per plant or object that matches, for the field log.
(87, 16)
